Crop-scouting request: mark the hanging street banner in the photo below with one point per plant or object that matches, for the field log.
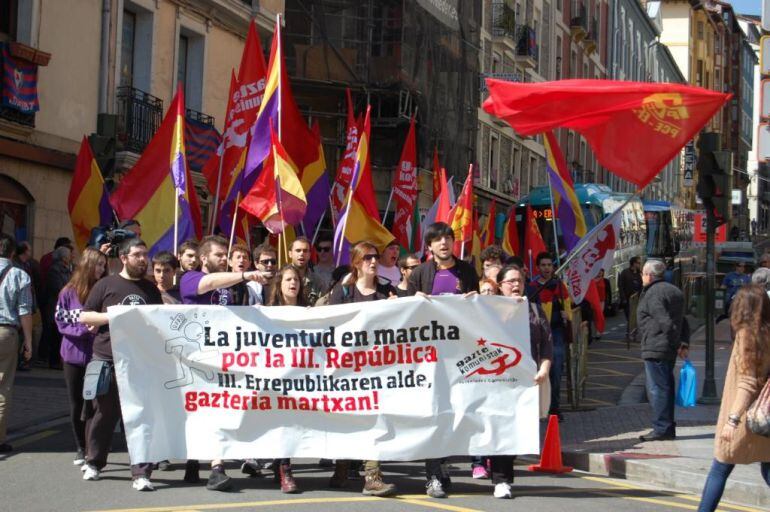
(403, 379)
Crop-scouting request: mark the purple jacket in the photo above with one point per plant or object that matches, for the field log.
(77, 343)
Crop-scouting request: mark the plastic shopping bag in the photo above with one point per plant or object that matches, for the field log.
(685, 395)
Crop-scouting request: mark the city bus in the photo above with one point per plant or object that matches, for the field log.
(597, 202)
(669, 229)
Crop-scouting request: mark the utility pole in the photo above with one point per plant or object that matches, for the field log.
(714, 189)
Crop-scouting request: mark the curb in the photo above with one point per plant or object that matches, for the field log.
(616, 465)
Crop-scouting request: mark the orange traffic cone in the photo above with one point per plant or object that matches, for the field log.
(550, 461)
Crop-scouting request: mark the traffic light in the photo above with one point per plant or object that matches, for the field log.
(715, 177)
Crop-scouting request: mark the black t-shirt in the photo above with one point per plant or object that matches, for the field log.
(115, 290)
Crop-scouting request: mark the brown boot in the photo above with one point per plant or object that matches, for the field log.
(374, 486)
(288, 485)
(340, 477)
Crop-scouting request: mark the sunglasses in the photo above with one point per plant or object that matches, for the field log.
(412, 267)
(325, 248)
(370, 257)
(268, 262)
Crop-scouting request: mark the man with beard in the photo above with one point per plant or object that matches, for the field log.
(188, 256)
(128, 288)
(442, 275)
(211, 286)
(299, 253)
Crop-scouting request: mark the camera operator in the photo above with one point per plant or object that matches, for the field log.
(108, 240)
(129, 287)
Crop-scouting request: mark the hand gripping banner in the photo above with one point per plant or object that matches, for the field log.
(391, 380)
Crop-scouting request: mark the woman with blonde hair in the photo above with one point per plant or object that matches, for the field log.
(747, 373)
(362, 285)
(77, 340)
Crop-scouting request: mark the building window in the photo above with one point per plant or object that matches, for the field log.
(127, 49)
(558, 57)
(700, 30)
(494, 150)
(189, 66)
(8, 10)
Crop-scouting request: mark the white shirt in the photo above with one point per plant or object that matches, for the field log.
(393, 274)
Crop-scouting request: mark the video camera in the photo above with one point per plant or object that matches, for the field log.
(113, 235)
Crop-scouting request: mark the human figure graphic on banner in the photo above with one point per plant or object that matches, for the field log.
(187, 350)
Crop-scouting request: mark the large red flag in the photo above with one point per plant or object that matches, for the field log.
(405, 188)
(436, 174)
(622, 121)
(592, 296)
(345, 167)
(242, 109)
(533, 241)
(461, 216)
(488, 234)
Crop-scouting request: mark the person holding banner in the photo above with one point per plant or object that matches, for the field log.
(552, 295)
(129, 287)
(444, 274)
(363, 284)
(288, 290)
(211, 285)
(512, 283)
(77, 341)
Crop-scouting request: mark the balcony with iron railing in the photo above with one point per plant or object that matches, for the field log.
(503, 19)
(579, 21)
(199, 117)
(526, 46)
(17, 117)
(139, 117)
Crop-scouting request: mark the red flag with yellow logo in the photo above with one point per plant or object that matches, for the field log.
(533, 240)
(461, 216)
(622, 121)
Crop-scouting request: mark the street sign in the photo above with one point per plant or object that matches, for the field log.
(764, 55)
(763, 142)
(688, 164)
(699, 233)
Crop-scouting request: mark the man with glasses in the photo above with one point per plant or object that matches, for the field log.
(128, 288)
(266, 261)
(325, 266)
(442, 275)
(406, 264)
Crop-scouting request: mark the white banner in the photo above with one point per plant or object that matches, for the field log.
(596, 255)
(402, 379)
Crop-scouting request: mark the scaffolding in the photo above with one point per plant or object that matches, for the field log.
(403, 57)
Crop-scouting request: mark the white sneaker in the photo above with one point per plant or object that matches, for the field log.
(503, 490)
(90, 472)
(79, 459)
(434, 489)
(143, 484)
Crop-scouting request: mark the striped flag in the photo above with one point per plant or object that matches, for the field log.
(19, 84)
(201, 142)
(88, 201)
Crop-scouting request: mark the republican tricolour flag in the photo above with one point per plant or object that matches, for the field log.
(277, 198)
(355, 223)
(565, 202)
(159, 186)
(315, 183)
(88, 201)
(461, 218)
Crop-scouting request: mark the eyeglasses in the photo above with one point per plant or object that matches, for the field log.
(487, 291)
(412, 267)
(324, 248)
(510, 282)
(268, 262)
(370, 257)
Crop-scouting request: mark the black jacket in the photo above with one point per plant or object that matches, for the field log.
(659, 316)
(422, 277)
(629, 283)
(346, 294)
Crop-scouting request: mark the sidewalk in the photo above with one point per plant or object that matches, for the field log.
(606, 441)
(39, 395)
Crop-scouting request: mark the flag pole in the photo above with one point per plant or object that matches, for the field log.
(331, 209)
(531, 270)
(176, 221)
(387, 206)
(344, 224)
(235, 220)
(318, 227)
(280, 72)
(213, 216)
(553, 222)
(283, 223)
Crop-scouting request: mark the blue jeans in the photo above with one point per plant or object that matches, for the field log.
(715, 483)
(557, 368)
(659, 375)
